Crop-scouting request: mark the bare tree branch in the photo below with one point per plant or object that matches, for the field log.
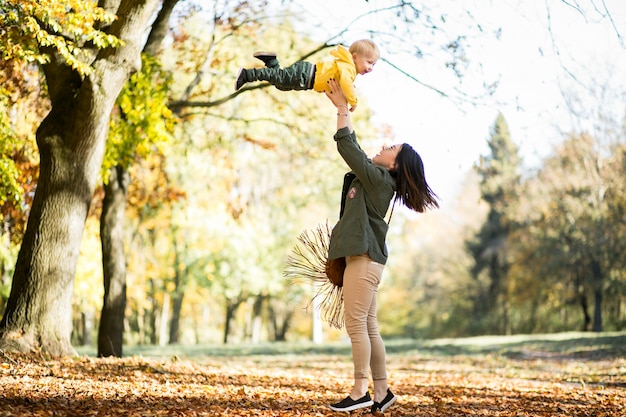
(620, 38)
(400, 70)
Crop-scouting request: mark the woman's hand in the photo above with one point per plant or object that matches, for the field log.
(336, 95)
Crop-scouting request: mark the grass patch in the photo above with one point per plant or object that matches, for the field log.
(566, 344)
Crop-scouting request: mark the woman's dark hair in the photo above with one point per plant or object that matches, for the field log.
(411, 187)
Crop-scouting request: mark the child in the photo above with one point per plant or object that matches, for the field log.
(347, 63)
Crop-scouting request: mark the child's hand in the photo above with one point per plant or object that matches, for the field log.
(352, 108)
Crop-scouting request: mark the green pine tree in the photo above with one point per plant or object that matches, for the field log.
(499, 173)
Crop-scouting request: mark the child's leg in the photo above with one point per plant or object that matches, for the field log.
(299, 76)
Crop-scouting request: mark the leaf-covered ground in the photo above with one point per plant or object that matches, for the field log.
(477, 377)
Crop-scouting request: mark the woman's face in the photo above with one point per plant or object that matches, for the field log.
(386, 158)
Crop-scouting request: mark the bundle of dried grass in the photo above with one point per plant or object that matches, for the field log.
(307, 264)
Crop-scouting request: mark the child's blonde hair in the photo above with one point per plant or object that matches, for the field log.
(365, 47)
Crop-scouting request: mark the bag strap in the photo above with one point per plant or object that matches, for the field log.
(391, 214)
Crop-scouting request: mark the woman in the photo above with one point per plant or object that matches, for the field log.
(359, 236)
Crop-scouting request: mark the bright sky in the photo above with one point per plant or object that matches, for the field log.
(531, 78)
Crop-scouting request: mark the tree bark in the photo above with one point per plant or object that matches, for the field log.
(165, 313)
(180, 282)
(86, 328)
(177, 302)
(280, 320)
(257, 320)
(160, 27)
(71, 142)
(597, 311)
(231, 308)
(111, 330)
(154, 311)
(177, 306)
(598, 278)
(585, 307)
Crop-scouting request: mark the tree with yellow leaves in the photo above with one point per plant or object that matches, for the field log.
(87, 55)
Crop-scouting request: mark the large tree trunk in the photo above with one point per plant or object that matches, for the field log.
(71, 142)
(111, 330)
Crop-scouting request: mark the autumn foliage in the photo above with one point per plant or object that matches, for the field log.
(582, 376)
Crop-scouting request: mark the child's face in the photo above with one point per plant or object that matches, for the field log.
(364, 63)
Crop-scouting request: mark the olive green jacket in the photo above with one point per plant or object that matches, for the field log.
(367, 192)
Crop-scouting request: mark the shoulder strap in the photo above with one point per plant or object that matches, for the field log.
(392, 207)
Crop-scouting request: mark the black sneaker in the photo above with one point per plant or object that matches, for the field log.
(268, 58)
(385, 403)
(241, 79)
(348, 404)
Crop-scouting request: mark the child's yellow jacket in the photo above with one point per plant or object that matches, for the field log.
(342, 69)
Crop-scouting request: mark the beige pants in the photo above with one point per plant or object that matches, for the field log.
(360, 289)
